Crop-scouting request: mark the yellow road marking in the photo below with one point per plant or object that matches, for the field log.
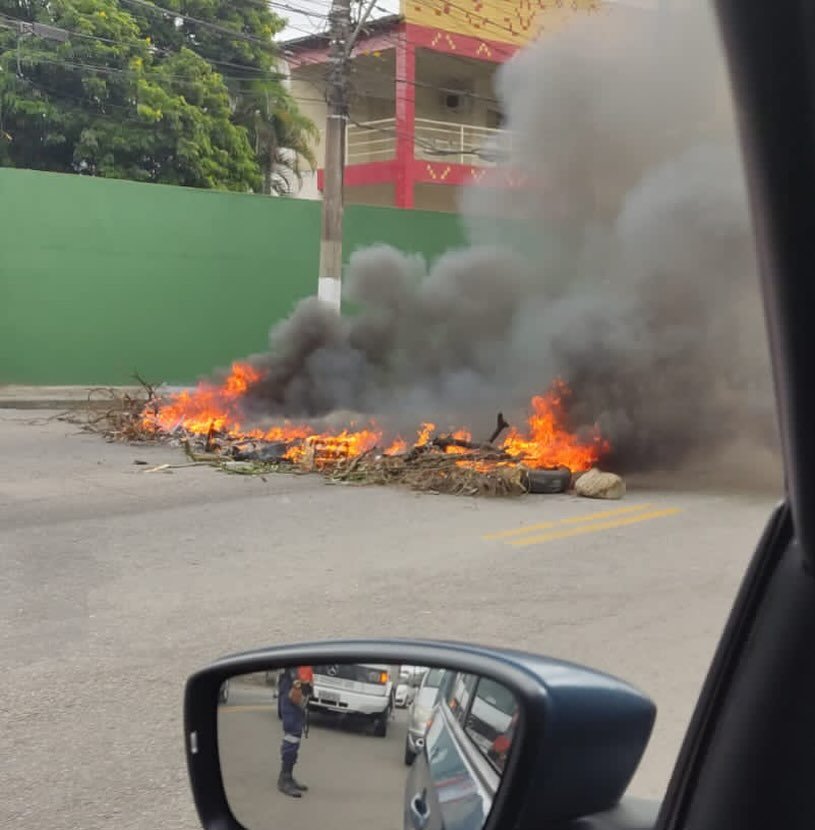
(594, 528)
(590, 517)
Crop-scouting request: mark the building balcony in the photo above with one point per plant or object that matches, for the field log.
(446, 155)
(436, 141)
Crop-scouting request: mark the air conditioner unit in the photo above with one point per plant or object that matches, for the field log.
(456, 98)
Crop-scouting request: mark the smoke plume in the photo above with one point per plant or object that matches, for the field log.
(623, 263)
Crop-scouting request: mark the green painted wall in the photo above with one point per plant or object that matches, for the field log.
(99, 277)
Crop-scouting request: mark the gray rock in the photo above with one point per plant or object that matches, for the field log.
(596, 484)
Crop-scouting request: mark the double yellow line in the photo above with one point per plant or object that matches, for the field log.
(522, 537)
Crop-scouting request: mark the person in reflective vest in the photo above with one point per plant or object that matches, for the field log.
(499, 751)
(294, 689)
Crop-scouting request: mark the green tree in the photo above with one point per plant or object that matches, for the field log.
(237, 37)
(102, 100)
(281, 136)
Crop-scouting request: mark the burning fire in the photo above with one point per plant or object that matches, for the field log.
(547, 443)
(216, 409)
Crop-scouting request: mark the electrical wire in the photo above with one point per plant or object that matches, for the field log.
(466, 16)
(462, 15)
(103, 70)
(396, 40)
(73, 33)
(427, 146)
(263, 74)
(425, 85)
(415, 83)
(234, 33)
(115, 70)
(289, 8)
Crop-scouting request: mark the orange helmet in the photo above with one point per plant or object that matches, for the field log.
(305, 674)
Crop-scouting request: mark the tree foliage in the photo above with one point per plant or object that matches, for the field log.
(280, 135)
(121, 88)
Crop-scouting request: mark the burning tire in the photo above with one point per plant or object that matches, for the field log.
(272, 453)
(547, 481)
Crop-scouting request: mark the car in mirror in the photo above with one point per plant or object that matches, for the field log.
(300, 737)
(424, 701)
(403, 696)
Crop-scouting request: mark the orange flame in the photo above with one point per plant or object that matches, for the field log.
(424, 434)
(397, 447)
(459, 435)
(325, 448)
(548, 443)
(545, 443)
(208, 407)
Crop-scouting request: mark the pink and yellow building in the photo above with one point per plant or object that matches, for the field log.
(423, 108)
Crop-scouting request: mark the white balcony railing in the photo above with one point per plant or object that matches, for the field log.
(434, 141)
(370, 141)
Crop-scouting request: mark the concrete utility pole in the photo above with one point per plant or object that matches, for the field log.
(342, 41)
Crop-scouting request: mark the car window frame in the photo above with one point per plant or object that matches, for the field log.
(468, 716)
(487, 777)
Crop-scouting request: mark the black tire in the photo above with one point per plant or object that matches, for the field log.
(381, 724)
(547, 481)
(409, 756)
(272, 453)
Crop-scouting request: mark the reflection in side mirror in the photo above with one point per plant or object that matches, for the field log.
(312, 747)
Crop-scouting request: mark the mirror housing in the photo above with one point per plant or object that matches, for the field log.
(580, 739)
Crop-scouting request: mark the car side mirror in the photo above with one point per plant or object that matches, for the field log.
(300, 737)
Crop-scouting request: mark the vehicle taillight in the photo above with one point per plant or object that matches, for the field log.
(383, 678)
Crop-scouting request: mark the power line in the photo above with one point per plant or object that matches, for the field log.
(467, 17)
(146, 73)
(390, 77)
(19, 22)
(68, 97)
(153, 7)
(115, 70)
(428, 146)
(463, 15)
(425, 85)
(104, 103)
(415, 83)
(73, 33)
(288, 8)
(395, 41)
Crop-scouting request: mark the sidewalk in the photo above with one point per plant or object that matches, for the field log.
(14, 396)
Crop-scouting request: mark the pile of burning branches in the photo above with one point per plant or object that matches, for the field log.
(442, 464)
(206, 422)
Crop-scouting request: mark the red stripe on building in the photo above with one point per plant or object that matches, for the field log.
(451, 43)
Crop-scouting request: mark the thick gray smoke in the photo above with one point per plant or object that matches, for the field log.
(624, 265)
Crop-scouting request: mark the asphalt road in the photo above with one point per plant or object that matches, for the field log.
(116, 583)
(356, 781)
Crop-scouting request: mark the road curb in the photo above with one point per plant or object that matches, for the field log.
(62, 397)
